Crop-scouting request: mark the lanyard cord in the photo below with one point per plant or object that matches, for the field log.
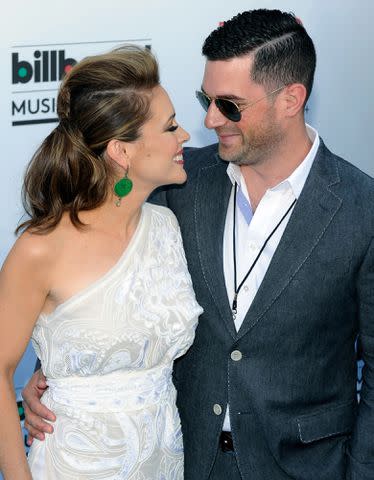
(237, 289)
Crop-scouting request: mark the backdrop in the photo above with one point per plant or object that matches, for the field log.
(41, 39)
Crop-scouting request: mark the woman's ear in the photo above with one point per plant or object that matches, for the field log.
(294, 97)
(119, 152)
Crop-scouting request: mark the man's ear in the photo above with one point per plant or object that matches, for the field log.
(294, 97)
(120, 152)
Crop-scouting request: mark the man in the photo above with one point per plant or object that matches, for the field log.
(278, 234)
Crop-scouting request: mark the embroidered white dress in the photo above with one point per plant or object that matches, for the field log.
(108, 354)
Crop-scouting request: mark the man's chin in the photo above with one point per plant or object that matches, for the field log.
(228, 154)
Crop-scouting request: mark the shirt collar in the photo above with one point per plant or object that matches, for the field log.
(297, 178)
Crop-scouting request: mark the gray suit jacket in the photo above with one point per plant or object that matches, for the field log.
(292, 396)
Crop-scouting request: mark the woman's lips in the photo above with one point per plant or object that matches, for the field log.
(179, 158)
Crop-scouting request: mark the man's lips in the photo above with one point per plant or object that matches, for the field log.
(226, 137)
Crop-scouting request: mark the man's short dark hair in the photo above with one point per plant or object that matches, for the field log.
(282, 50)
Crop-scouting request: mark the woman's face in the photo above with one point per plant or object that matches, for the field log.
(157, 159)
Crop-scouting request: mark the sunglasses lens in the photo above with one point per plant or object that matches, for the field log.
(204, 100)
(228, 109)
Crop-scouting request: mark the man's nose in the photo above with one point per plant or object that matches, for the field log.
(214, 118)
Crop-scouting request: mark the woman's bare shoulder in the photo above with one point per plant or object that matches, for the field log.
(38, 249)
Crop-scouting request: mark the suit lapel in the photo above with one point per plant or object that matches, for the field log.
(211, 201)
(312, 214)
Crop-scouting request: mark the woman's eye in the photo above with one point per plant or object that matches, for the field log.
(172, 128)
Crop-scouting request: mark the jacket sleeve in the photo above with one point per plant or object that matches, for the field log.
(361, 447)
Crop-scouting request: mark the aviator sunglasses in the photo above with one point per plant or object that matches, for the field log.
(227, 107)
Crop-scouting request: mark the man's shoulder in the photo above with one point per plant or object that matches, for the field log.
(198, 157)
(354, 174)
(347, 173)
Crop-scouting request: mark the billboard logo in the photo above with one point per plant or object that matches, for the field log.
(37, 71)
(46, 66)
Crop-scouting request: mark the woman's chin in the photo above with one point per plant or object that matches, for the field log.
(178, 179)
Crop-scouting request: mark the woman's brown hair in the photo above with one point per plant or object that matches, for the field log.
(103, 97)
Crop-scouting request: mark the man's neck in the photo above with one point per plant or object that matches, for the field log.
(275, 169)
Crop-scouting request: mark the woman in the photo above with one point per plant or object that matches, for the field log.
(98, 279)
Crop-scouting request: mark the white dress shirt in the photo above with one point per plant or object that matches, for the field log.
(251, 237)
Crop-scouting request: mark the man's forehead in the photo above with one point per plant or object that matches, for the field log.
(228, 68)
(227, 77)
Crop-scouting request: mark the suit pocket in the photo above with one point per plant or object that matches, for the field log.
(337, 420)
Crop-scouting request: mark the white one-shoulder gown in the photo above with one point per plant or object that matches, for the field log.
(108, 354)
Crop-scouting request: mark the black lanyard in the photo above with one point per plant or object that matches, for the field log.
(237, 289)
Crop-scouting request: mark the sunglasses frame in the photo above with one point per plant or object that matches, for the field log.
(216, 100)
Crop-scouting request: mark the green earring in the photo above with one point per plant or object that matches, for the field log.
(123, 187)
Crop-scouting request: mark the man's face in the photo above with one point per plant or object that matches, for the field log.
(258, 134)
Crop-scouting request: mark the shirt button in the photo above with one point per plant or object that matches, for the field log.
(217, 409)
(253, 247)
(245, 288)
(236, 355)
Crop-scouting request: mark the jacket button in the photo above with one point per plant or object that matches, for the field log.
(217, 409)
(236, 355)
